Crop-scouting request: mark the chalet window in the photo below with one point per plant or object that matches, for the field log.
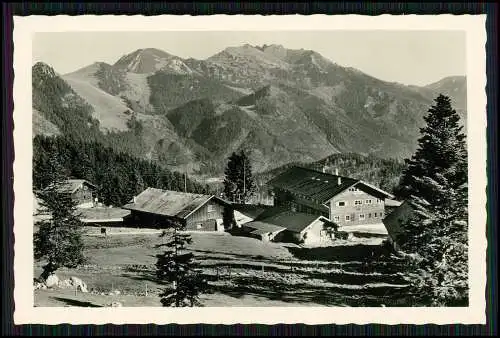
(369, 215)
(358, 202)
(381, 215)
(375, 215)
(336, 218)
(361, 216)
(210, 208)
(347, 218)
(368, 202)
(341, 204)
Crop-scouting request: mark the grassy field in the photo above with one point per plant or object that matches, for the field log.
(241, 272)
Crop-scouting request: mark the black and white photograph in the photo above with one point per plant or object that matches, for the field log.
(252, 168)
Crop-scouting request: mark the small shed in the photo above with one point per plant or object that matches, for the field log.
(263, 231)
(298, 227)
(394, 222)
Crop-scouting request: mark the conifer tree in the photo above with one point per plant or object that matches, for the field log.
(441, 156)
(59, 235)
(239, 184)
(177, 266)
(435, 183)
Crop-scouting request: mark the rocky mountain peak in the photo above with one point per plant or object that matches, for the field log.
(42, 69)
(144, 61)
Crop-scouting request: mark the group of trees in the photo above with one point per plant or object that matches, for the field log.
(59, 236)
(435, 183)
(119, 176)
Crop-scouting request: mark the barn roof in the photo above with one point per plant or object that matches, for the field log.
(102, 214)
(260, 228)
(168, 202)
(71, 185)
(392, 203)
(318, 186)
(291, 220)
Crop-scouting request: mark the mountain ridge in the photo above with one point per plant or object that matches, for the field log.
(283, 105)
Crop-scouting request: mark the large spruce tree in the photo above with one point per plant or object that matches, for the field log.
(435, 183)
(239, 184)
(59, 236)
(440, 162)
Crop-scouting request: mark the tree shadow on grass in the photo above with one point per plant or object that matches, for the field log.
(310, 294)
(74, 302)
(252, 257)
(344, 253)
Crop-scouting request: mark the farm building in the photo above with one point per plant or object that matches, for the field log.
(102, 216)
(391, 205)
(82, 192)
(394, 222)
(278, 224)
(343, 200)
(156, 208)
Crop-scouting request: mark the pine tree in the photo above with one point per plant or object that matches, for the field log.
(178, 267)
(239, 184)
(59, 235)
(441, 155)
(435, 182)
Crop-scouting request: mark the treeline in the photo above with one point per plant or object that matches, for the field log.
(384, 173)
(119, 176)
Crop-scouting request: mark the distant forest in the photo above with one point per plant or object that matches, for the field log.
(119, 176)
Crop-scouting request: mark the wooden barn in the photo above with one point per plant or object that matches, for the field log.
(82, 192)
(343, 200)
(156, 208)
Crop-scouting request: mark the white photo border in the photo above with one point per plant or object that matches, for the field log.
(26, 313)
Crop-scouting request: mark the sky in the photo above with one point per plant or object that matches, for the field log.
(407, 57)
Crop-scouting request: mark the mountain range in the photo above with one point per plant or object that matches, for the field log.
(283, 105)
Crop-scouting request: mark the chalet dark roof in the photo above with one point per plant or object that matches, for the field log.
(168, 202)
(318, 186)
(293, 221)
